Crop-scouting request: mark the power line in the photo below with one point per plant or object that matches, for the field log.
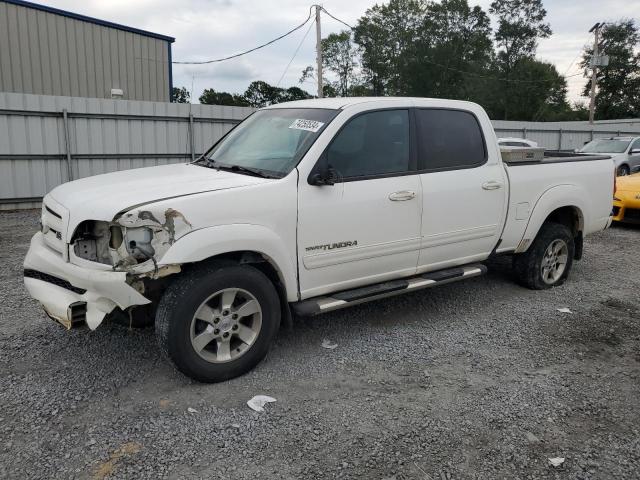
(252, 49)
(337, 19)
(294, 54)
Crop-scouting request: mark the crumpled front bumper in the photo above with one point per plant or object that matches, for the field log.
(61, 286)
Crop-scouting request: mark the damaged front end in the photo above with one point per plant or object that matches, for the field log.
(112, 268)
(132, 242)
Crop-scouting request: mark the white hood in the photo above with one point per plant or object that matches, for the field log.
(101, 197)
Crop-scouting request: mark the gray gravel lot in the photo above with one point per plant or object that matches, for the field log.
(480, 379)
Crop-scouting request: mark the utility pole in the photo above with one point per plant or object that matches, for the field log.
(594, 60)
(319, 51)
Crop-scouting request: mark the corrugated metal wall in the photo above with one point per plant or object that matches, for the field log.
(103, 136)
(48, 54)
(561, 135)
(109, 135)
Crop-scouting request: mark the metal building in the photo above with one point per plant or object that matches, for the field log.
(48, 51)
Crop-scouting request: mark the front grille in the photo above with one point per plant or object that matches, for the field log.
(45, 277)
(632, 214)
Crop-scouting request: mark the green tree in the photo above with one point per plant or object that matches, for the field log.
(618, 94)
(538, 92)
(211, 97)
(339, 56)
(293, 93)
(260, 94)
(386, 33)
(180, 95)
(454, 45)
(521, 23)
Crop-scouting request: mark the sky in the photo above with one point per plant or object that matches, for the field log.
(206, 29)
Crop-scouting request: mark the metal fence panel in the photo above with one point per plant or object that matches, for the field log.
(563, 135)
(106, 135)
(103, 136)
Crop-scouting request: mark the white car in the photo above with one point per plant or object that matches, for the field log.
(308, 207)
(625, 152)
(517, 142)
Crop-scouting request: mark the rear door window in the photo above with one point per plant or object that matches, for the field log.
(449, 140)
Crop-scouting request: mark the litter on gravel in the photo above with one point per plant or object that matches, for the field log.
(328, 344)
(258, 402)
(192, 410)
(564, 310)
(556, 461)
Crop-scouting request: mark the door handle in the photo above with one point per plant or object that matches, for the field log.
(491, 185)
(402, 195)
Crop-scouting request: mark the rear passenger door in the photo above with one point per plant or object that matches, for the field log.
(464, 187)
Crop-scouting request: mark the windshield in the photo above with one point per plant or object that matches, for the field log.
(606, 145)
(271, 141)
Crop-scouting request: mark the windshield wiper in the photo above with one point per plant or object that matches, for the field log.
(211, 163)
(247, 170)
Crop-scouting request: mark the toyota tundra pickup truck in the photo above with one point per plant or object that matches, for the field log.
(303, 208)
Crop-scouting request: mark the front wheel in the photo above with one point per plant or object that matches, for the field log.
(549, 259)
(217, 322)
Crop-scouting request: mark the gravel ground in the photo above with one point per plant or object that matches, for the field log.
(480, 379)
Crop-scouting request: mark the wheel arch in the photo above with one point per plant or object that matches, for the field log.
(563, 204)
(242, 244)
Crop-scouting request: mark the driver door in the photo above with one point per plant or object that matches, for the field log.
(366, 227)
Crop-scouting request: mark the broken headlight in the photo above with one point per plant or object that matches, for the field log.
(138, 243)
(91, 241)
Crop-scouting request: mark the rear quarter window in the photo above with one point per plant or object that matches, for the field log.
(449, 140)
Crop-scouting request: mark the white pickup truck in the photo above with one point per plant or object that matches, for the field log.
(307, 207)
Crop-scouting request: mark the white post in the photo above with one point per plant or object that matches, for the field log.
(592, 100)
(319, 51)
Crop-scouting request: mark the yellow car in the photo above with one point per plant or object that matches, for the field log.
(626, 200)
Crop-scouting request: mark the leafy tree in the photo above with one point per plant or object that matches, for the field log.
(180, 95)
(211, 97)
(538, 92)
(453, 45)
(260, 94)
(339, 55)
(520, 24)
(386, 33)
(293, 93)
(618, 83)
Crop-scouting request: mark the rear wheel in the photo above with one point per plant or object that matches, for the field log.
(549, 259)
(623, 170)
(217, 321)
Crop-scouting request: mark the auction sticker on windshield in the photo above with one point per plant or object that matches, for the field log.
(309, 125)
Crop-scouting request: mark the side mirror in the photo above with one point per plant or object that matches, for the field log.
(328, 177)
(634, 151)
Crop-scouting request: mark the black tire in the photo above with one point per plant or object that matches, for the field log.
(623, 170)
(184, 296)
(527, 266)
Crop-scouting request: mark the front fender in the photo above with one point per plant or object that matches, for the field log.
(566, 195)
(208, 242)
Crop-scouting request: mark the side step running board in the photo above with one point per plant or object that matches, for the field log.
(347, 298)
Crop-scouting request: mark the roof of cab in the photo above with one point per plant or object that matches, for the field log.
(337, 103)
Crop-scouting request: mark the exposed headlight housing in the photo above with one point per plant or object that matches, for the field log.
(138, 242)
